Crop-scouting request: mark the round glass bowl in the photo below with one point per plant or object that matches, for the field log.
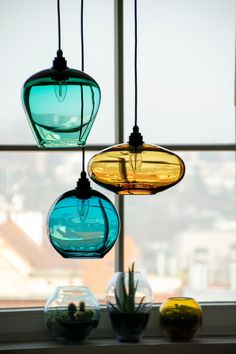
(72, 313)
(181, 318)
(129, 302)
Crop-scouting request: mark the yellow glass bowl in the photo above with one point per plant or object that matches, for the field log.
(181, 318)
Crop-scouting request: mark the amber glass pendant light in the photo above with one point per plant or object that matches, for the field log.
(54, 99)
(135, 167)
(83, 223)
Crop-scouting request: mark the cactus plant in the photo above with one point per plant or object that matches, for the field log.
(71, 313)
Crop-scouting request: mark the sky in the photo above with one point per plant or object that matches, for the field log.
(185, 65)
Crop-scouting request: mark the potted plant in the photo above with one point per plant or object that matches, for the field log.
(72, 321)
(180, 318)
(129, 302)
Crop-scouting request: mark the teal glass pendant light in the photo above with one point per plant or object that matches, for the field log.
(136, 168)
(61, 103)
(83, 223)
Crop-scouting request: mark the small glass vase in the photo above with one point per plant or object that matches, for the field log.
(72, 313)
(181, 318)
(129, 303)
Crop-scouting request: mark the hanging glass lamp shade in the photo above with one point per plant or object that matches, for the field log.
(61, 105)
(83, 223)
(136, 168)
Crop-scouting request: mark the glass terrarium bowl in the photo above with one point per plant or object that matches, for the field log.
(129, 302)
(72, 313)
(181, 318)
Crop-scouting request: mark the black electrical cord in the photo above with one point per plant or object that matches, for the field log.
(82, 58)
(82, 65)
(59, 24)
(135, 65)
(59, 63)
(135, 137)
(82, 68)
(82, 33)
(83, 158)
(83, 184)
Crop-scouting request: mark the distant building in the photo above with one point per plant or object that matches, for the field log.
(30, 268)
(209, 263)
(29, 271)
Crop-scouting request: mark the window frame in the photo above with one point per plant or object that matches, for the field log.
(25, 324)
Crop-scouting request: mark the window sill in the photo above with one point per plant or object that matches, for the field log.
(218, 344)
(23, 331)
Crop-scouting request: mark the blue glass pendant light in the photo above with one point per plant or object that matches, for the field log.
(136, 168)
(83, 223)
(61, 103)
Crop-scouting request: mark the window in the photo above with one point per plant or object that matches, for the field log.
(184, 239)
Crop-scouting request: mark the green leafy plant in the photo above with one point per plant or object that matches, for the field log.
(125, 296)
(70, 314)
(181, 311)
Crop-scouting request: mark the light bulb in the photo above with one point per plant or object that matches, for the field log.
(60, 91)
(136, 162)
(83, 208)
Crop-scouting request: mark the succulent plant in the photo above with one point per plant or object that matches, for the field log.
(82, 314)
(71, 313)
(181, 311)
(125, 296)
